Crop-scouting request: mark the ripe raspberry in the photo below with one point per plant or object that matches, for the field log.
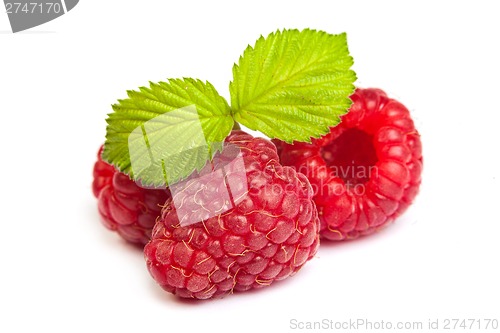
(366, 171)
(125, 207)
(257, 235)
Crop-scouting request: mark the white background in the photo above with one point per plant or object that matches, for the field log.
(61, 271)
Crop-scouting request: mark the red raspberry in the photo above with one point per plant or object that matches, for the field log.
(265, 230)
(366, 171)
(125, 207)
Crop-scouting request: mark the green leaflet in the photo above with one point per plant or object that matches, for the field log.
(293, 85)
(161, 134)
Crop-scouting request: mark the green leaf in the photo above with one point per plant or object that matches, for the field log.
(161, 134)
(293, 85)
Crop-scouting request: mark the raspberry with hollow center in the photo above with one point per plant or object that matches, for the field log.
(366, 171)
(125, 207)
(240, 225)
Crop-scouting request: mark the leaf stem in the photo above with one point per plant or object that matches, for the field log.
(236, 126)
